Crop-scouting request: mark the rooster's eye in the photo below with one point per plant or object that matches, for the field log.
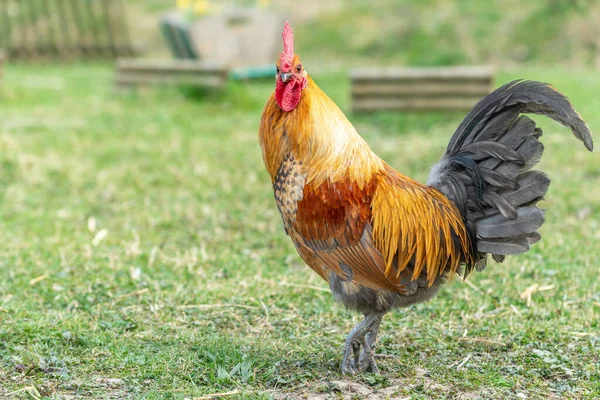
(299, 67)
(277, 69)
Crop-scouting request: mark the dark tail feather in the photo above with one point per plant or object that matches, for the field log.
(486, 167)
(523, 97)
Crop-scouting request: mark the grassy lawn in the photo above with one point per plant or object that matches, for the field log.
(142, 256)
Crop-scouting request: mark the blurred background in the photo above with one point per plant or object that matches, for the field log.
(429, 32)
(141, 251)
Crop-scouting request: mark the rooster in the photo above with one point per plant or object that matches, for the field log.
(382, 240)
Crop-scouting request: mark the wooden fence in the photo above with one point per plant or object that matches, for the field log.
(63, 29)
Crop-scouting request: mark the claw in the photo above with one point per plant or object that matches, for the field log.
(351, 357)
(367, 361)
(356, 350)
(363, 335)
(367, 356)
(348, 365)
(348, 370)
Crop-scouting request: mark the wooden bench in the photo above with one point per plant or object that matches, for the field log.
(132, 73)
(431, 88)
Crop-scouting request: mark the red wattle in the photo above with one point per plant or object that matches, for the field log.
(288, 94)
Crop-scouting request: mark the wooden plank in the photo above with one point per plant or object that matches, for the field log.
(52, 48)
(183, 75)
(199, 73)
(40, 39)
(456, 104)
(441, 80)
(87, 40)
(430, 88)
(28, 9)
(109, 28)
(82, 36)
(404, 89)
(137, 72)
(153, 77)
(5, 29)
(123, 38)
(21, 26)
(468, 73)
(98, 46)
(64, 43)
(203, 81)
(1, 64)
(167, 66)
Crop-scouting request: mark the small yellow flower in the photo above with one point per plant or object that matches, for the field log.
(264, 3)
(201, 7)
(182, 4)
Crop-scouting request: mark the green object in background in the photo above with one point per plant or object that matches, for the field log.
(264, 71)
(176, 32)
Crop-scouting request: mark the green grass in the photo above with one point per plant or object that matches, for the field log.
(142, 256)
(442, 32)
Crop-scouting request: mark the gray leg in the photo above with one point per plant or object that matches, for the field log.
(352, 348)
(367, 357)
(361, 335)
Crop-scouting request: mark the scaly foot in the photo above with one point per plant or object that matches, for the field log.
(364, 334)
(367, 360)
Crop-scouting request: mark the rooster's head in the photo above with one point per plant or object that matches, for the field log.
(291, 77)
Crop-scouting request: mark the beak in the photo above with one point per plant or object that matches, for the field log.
(285, 77)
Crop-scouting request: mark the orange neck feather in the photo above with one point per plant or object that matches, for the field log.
(318, 135)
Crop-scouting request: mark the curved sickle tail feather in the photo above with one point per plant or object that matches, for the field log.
(486, 169)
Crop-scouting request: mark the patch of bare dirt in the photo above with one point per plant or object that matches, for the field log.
(352, 390)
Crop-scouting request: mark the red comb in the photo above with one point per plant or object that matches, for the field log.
(287, 55)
